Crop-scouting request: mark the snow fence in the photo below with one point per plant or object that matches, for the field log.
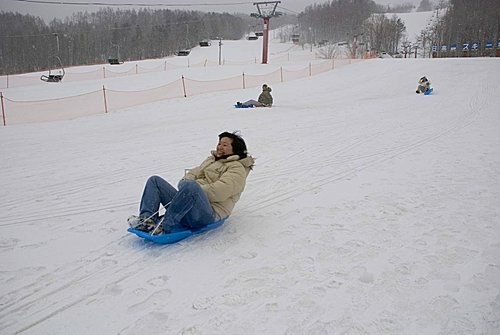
(107, 100)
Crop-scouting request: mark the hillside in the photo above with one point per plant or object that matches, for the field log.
(371, 209)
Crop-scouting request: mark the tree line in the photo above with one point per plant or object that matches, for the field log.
(28, 44)
(341, 21)
(467, 21)
(364, 21)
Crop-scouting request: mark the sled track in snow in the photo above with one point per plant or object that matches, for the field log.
(343, 163)
(48, 294)
(43, 299)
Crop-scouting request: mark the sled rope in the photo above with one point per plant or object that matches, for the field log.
(157, 212)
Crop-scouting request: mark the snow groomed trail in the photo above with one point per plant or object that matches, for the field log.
(371, 210)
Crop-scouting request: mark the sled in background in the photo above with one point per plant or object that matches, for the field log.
(242, 106)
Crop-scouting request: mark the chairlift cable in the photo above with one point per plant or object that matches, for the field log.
(115, 28)
(131, 4)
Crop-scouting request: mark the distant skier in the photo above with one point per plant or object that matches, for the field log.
(265, 99)
(423, 85)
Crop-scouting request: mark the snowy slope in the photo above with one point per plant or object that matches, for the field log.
(415, 22)
(371, 210)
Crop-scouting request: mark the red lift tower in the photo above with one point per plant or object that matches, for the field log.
(266, 10)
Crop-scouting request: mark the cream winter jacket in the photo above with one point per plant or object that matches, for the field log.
(222, 180)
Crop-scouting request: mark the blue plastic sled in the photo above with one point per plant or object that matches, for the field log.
(429, 91)
(243, 106)
(178, 233)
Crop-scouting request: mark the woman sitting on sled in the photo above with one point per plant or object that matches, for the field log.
(423, 85)
(206, 194)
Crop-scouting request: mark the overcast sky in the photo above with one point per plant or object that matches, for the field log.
(60, 10)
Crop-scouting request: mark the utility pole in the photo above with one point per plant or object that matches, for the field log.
(57, 41)
(266, 10)
(354, 47)
(220, 50)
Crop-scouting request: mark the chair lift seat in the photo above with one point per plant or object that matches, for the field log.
(52, 78)
(114, 61)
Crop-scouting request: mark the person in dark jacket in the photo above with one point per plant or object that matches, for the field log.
(423, 85)
(265, 99)
(206, 194)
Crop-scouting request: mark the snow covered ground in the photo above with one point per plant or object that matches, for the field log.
(371, 210)
(415, 22)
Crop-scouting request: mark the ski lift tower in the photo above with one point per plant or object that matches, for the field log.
(266, 10)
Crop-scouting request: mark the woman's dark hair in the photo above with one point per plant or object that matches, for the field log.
(238, 144)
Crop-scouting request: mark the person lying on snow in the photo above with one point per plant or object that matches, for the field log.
(206, 194)
(265, 99)
(423, 85)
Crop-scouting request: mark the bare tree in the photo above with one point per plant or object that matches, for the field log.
(404, 8)
(335, 21)
(328, 51)
(425, 6)
(384, 34)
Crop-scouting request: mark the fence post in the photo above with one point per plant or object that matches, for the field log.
(184, 87)
(7, 80)
(281, 73)
(243, 79)
(310, 70)
(105, 101)
(3, 109)
(136, 69)
(165, 67)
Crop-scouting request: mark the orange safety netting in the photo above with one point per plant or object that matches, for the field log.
(104, 101)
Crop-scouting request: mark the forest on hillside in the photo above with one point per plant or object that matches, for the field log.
(368, 25)
(468, 21)
(29, 44)
(360, 22)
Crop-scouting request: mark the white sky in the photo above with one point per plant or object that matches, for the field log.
(49, 11)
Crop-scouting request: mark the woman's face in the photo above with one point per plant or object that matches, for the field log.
(224, 147)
